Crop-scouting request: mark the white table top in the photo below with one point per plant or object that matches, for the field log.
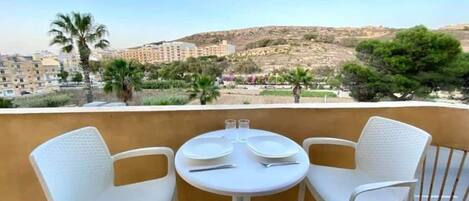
(249, 178)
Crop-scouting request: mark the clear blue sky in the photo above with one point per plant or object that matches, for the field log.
(24, 24)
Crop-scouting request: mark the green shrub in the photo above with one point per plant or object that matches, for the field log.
(165, 84)
(310, 36)
(166, 100)
(48, 100)
(5, 103)
(266, 43)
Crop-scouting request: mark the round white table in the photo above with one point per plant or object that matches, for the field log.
(249, 177)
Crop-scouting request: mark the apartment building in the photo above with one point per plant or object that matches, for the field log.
(21, 75)
(221, 49)
(173, 51)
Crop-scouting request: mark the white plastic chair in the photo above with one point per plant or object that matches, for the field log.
(387, 157)
(77, 166)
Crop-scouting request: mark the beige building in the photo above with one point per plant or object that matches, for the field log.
(221, 49)
(173, 51)
(22, 75)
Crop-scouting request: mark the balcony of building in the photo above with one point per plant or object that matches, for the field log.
(125, 128)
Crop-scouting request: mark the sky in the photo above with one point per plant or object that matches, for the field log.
(24, 24)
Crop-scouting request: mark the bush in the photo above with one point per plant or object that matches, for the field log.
(310, 36)
(350, 42)
(5, 103)
(266, 43)
(166, 100)
(48, 100)
(165, 84)
(247, 67)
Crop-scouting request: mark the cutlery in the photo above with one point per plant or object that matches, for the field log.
(278, 163)
(218, 167)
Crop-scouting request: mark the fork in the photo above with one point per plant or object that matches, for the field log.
(278, 163)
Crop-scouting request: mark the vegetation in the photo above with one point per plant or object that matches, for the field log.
(78, 31)
(305, 93)
(266, 43)
(184, 70)
(47, 100)
(123, 77)
(310, 36)
(416, 63)
(204, 88)
(77, 77)
(298, 78)
(165, 84)
(349, 42)
(6, 103)
(63, 75)
(166, 100)
(247, 66)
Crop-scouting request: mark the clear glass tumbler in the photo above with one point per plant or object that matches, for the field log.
(230, 124)
(243, 123)
(243, 132)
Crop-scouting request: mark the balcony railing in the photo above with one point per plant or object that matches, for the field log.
(124, 128)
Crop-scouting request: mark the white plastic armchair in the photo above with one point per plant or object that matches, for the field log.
(77, 166)
(388, 155)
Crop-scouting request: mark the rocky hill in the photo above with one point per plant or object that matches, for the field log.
(275, 47)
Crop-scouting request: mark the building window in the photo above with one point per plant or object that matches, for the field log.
(38, 78)
(4, 79)
(5, 85)
(21, 79)
(2, 71)
(37, 72)
(36, 65)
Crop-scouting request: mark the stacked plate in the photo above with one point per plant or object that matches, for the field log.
(272, 146)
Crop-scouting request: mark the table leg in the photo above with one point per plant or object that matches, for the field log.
(241, 198)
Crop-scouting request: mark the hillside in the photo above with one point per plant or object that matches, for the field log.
(314, 47)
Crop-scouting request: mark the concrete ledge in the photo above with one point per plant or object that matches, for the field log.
(232, 107)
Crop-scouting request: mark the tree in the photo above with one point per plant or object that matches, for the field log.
(78, 31)
(415, 63)
(204, 88)
(6, 103)
(123, 77)
(247, 66)
(298, 78)
(63, 75)
(77, 77)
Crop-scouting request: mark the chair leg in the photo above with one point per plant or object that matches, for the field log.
(175, 195)
(301, 191)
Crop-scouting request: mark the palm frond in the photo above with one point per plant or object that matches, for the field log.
(102, 44)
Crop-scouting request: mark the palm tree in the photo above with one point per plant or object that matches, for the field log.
(298, 78)
(205, 89)
(78, 31)
(123, 77)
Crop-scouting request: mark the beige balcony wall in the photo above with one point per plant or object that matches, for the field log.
(21, 130)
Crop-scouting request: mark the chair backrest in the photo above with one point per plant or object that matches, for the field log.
(75, 166)
(391, 150)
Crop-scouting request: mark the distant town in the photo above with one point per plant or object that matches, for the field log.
(39, 73)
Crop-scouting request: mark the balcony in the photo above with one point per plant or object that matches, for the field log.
(133, 127)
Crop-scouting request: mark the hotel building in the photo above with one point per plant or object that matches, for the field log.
(174, 51)
(23, 75)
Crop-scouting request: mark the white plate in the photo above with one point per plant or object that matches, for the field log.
(272, 146)
(207, 148)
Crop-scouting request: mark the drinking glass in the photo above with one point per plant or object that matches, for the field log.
(243, 130)
(230, 124)
(243, 123)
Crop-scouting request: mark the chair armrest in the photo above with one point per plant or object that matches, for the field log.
(325, 140)
(380, 185)
(168, 152)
